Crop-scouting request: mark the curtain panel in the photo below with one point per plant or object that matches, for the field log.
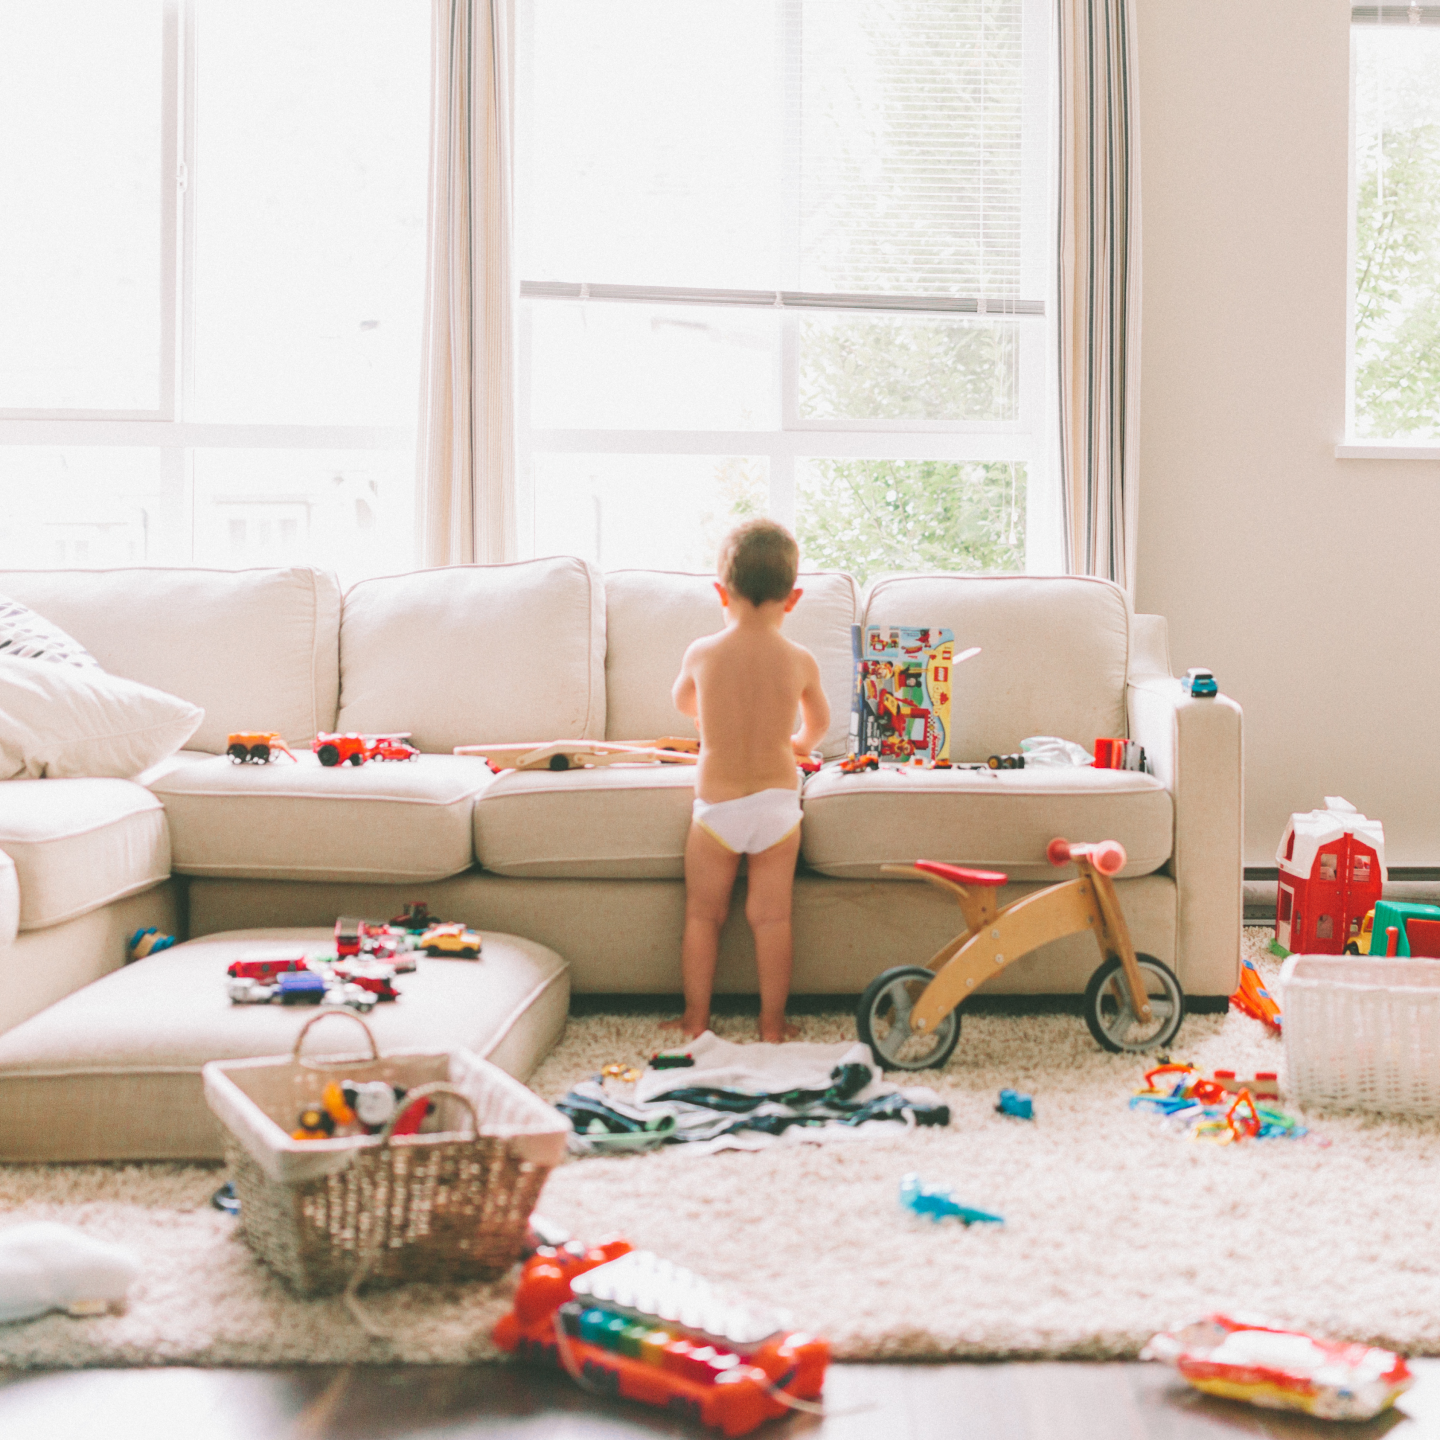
(465, 461)
(1098, 285)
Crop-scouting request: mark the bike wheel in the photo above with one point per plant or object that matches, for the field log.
(883, 1020)
(1112, 1018)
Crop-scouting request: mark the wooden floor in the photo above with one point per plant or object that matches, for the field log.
(868, 1402)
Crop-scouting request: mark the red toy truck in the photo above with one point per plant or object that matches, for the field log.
(265, 970)
(334, 748)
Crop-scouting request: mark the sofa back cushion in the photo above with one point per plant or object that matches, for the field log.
(1055, 652)
(470, 654)
(255, 649)
(653, 615)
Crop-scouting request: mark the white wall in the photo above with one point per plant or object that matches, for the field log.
(1309, 584)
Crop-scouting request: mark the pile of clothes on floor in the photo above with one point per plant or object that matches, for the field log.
(714, 1094)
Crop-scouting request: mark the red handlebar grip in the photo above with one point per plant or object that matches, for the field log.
(1108, 857)
(1057, 852)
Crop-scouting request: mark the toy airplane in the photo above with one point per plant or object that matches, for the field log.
(584, 754)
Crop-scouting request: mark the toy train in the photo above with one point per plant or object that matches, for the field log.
(624, 1322)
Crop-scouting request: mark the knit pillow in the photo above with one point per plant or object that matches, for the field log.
(29, 636)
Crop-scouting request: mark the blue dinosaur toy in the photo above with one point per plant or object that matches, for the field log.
(941, 1204)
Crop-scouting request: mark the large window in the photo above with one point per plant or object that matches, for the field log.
(212, 252)
(784, 256)
(1395, 219)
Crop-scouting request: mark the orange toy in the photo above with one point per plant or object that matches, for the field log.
(597, 1313)
(1253, 999)
(255, 746)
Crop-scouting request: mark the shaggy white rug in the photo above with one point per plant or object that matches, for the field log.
(1114, 1227)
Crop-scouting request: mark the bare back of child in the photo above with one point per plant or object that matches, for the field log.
(745, 685)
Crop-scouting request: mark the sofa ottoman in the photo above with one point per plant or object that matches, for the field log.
(112, 1072)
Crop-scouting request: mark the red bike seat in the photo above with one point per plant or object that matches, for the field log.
(961, 876)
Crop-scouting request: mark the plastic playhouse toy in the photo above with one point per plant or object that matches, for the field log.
(148, 941)
(1408, 928)
(1199, 683)
(1281, 1369)
(454, 940)
(255, 747)
(625, 1322)
(335, 748)
(1221, 1109)
(1332, 870)
(1011, 1102)
(1254, 1000)
(909, 1016)
(938, 1205)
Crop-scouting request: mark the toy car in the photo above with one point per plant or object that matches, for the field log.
(376, 984)
(453, 940)
(853, 764)
(300, 987)
(244, 991)
(1006, 762)
(334, 748)
(255, 746)
(389, 747)
(1198, 683)
(417, 918)
(265, 970)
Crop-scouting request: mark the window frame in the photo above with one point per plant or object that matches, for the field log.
(1026, 440)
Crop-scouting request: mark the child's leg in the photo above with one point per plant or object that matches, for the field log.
(767, 908)
(709, 878)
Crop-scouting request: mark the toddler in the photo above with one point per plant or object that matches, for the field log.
(744, 685)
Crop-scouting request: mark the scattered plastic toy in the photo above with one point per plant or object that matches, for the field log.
(938, 1205)
(1006, 762)
(148, 941)
(611, 1316)
(1210, 1110)
(256, 747)
(1199, 683)
(671, 1060)
(417, 918)
(1254, 1000)
(363, 1107)
(1022, 1107)
(454, 940)
(1283, 1369)
(335, 749)
(625, 1074)
(853, 764)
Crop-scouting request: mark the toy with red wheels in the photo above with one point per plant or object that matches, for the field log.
(910, 1016)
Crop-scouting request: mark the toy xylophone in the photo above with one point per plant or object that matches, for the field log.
(625, 1322)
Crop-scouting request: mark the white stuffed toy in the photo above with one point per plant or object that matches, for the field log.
(54, 1267)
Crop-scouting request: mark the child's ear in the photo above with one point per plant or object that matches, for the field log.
(793, 601)
(723, 593)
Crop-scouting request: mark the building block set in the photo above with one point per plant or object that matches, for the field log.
(900, 708)
(625, 1322)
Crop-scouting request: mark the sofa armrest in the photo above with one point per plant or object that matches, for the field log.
(1195, 747)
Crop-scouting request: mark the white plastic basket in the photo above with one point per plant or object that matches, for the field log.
(1362, 1033)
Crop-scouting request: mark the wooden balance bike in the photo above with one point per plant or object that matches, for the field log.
(910, 1017)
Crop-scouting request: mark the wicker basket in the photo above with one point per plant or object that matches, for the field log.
(329, 1214)
(1362, 1033)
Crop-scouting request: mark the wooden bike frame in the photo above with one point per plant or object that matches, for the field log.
(994, 938)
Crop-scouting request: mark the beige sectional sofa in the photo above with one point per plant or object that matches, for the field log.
(590, 862)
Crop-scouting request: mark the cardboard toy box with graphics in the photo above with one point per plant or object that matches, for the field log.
(900, 709)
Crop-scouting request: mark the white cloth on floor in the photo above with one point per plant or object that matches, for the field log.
(761, 1068)
(45, 1267)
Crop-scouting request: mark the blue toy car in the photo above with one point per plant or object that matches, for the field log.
(301, 987)
(1013, 1103)
(1199, 683)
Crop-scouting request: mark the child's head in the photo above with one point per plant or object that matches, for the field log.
(758, 561)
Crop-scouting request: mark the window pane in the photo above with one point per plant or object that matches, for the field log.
(80, 220)
(81, 506)
(1397, 232)
(609, 366)
(311, 158)
(873, 516)
(902, 369)
(664, 512)
(348, 511)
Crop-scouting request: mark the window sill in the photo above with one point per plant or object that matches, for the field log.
(1388, 450)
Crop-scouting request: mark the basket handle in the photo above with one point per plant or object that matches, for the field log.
(419, 1092)
(325, 1015)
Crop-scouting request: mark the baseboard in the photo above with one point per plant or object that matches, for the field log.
(624, 1004)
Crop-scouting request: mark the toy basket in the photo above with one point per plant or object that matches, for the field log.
(328, 1215)
(1362, 1033)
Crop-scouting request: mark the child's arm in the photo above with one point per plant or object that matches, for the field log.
(683, 693)
(814, 709)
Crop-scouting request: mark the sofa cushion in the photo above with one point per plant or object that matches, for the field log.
(255, 649)
(477, 653)
(623, 822)
(1054, 661)
(653, 615)
(1001, 819)
(9, 901)
(112, 1072)
(384, 820)
(79, 844)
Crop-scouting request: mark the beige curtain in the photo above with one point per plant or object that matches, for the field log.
(466, 465)
(1098, 285)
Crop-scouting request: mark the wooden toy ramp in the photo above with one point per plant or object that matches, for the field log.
(586, 754)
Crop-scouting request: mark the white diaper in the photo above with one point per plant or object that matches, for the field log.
(753, 822)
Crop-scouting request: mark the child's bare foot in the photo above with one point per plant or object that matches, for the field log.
(775, 1031)
(691, 1029)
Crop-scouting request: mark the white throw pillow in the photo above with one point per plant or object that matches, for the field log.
(29, 636)
(62, 720)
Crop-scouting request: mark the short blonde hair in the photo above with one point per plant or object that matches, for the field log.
(758, 560)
